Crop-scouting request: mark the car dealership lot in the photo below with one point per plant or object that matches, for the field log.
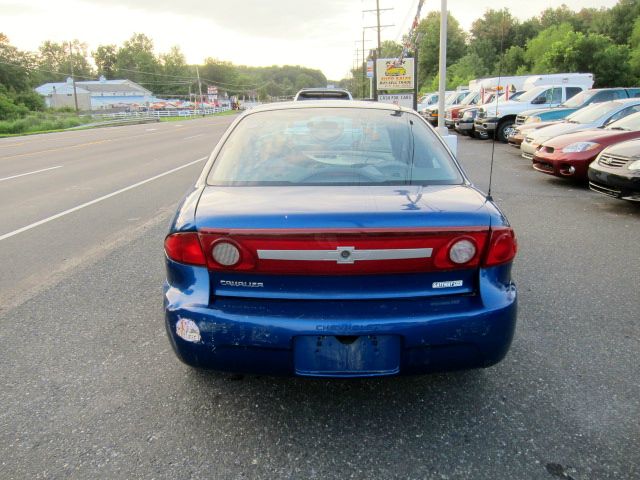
(91, 388)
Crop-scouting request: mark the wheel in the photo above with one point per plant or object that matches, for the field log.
(503, 130)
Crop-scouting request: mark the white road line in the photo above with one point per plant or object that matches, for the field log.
(100, 199)
(30, 173)
(194, 136)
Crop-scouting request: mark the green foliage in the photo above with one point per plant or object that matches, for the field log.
(514, 61)
(9, 110)
(41, 122)
(429, 29)
(31, 100)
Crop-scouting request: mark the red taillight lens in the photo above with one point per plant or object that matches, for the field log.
(184, 248)
(502, 247)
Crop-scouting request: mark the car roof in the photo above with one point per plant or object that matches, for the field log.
(353, 104)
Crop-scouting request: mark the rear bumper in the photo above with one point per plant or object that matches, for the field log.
(258, 336)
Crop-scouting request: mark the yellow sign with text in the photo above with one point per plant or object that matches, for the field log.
(394, 74)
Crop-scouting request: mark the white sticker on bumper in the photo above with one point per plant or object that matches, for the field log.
(188, 330)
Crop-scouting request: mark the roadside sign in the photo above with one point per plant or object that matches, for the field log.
(394, 74)
(401, 99)
(212, 90)
(369, 68)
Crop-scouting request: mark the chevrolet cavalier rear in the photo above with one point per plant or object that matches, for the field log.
(338, 240)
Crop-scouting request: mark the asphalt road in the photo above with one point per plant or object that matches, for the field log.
(90, 388)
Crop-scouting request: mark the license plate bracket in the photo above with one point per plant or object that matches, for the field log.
(346, 356)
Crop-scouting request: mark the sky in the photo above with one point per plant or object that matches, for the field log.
(321, 34)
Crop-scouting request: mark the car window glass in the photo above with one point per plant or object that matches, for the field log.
(593, 112)
(605, 96)
(579, 99)
(333, 146)
(630, 122)
(529, 95)
(573, 91)
(623, 113)
(554, 95)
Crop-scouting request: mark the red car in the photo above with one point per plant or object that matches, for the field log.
(569, 155)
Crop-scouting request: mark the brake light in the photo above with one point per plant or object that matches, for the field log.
(502, 247)
(184, 248)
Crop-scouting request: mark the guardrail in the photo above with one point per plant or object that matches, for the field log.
(162, 113)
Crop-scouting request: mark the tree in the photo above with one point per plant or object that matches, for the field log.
(390, 49)
(538, 46)
(136, 60)
(429, 29)
(514, 61)
(175, 72)
(14, 71)
(621, 18)
(491, 35)
(105, 58)
(55, 59)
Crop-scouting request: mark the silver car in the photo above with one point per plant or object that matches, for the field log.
(593, 116)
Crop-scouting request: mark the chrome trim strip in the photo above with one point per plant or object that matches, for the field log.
(345, 254)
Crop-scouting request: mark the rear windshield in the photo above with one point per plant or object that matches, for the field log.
(333, 146)
(323, 95)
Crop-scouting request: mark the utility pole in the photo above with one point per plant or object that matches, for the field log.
(378, 16)
(378, 51)
(73, 78)
(443, 66)
(199, 88)
(364, 67)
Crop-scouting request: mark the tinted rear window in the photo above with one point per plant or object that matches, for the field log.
(320, 95)
(333, 146)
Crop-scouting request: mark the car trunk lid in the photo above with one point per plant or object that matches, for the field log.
(342, 242)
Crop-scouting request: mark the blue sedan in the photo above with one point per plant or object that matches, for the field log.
(337, 239)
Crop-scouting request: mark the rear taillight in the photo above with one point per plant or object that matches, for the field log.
(460, 251)
(184, 248)
(502, 247)
(225, 253)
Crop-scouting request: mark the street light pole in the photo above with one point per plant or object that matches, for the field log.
(443, 67)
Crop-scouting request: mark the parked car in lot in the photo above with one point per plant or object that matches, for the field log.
(581, 100)
(594, 116)
(616, 171)
(464, 124)
(431, 113)
(337, 239)
(451, 112)
(427, 100)
(569, 155)
(499, 120)
(519, 133)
